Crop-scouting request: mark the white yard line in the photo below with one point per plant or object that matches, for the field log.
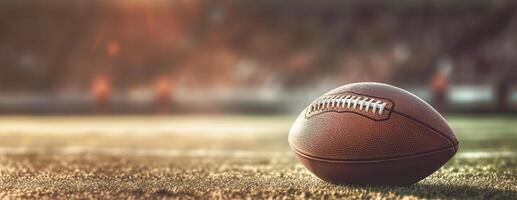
(487, 154)
(144, 125)
(196, 153)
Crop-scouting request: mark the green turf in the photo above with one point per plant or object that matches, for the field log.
(222, 157)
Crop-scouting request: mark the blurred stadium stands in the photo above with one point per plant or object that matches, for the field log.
(176, 56)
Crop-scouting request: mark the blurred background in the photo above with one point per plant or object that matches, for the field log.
(245, 56)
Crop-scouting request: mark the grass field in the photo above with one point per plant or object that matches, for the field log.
(222, 157)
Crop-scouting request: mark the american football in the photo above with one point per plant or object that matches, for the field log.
(372, 133)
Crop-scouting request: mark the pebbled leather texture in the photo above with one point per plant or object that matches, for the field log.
(414, 131)
(401, 172)
(407, 104)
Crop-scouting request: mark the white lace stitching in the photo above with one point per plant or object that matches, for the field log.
(349, 101)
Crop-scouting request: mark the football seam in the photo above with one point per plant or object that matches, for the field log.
(375, 160)
(454, 145)
(450, 140)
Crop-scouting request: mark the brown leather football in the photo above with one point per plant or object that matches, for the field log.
(371, 133)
